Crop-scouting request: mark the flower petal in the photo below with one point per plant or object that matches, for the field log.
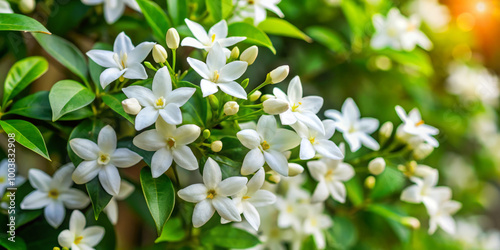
(111, 211)
(180, 96)
(200, 67)
(161, 162)
(219, 30)
(369, 142)
(126, 190)
(162, 83)
(202, 213)
(216, 58)
(295, 90)
(112, 12)
(122, 44)
(232, 71)
(230, 41)
(142, 94)
(66, 238)
(109, 75)
(186, 134)
(337, 190)
(150, 140)
(197, 30)
(312, 104)
(231, 185)
(85, 149)
(368, 125)
(328, 149)
(208, 87)
(256, 182)
(277, 161)
(107, 139)
(412, 194)
(146, 118)
(262, 198)
(92, 235)
(320, 193)
(62, 177)
(252, 162)
(110, 179)
(284, 140)
(54, 213)
(184, 157)
(135, 71)
(124, 158)
(171, 114)
(212, 175)
(226, 208)
(251, 215)
(233, 89)
(194, 193)
(310, 120)
(74, 198)
(102, 57)
(267, 126)
(140, 52)
(191, 42)
(317, 169)
(344, 171)
(39, 179)
(77, 222)
(249, 138)
(85, 172)
(35, 200)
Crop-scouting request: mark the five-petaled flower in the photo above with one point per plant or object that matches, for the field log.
(415, 126)
(113, 9)
(204, 40)
(258, 9)
(314, 142)
(78, 236)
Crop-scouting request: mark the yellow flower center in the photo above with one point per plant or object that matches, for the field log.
(216, 76)
(213, 37)
(121, 79)
(251, 2)
(419, 123)
(411, 27)
(78, 240)
(103, 159)
(160, 102)
(123, 60)
(312, 140)
(246, 197)
(265, 145)
(53, 194)
(171, 142)
(329, 175)
(296, 106)
(210, 194)
(289, 209)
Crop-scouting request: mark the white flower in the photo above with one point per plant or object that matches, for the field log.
(213, 194)
(54, 194)
(161, 101)
(4, 177)
(102, 159)
(257, 9)
(253, 196)
(441, 216)
(113, 9)
(123, 62)
(355, 130)
(5, 7)
(111, 209)
(398, 32)
(315, 223)
(434, 14)
(313, 142)
(302, 109)
(330, 175)
(414, 125)
(425, 190)
(170, 144)
(216, 34)
(291, 208)
(216, 73)
(77, 236)
(267, 144)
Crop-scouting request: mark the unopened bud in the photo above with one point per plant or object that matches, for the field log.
(235, 53)
(231, 108)
(370, 182)
(250, 54)
(255, 96)
(287, 154)
(273, 177)
(376, 166)
(159, 54)
(173, 38)
(216, 146)
(244, 83)
(422, 151)
(27, 6)
(56, 248)
(411, 222)
(206, 133)
(386, 130)
(150, 66)
(267, 97)
(131, 106)
(294, 169)
(214, 102)
(279, 74)
(275, 106)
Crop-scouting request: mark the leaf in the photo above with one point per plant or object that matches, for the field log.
(22, 74)
(195, 110)
(214, 7)
(228, 167)
(253, 34)
(178, 10)
(281, 27)
(37, 106)
(156, 18)
(27, 135)
(160, 197)
(328, 38)
(64, 52)
(354, 191)
(17, 22)
(308, 243)
(227, 8)
(389, 182)
(67, 96)
(343, 233)
(394, 217)
(229, 237)
(19, 243)
(355, 16)
(109, 239)
(172, 231)
(115, 103)
(416, 59)
(98, 196)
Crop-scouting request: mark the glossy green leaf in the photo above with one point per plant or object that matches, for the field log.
(343, 234)
(18, 22)
(19, 243)
(156, 18)
(389, 182)
(328, 38)
(27, 135)
(172, 231)
(354, 191)
(214, 8)
(355, 16)
(67, 96)
(98, 196)
(22, 74)
(115, 103)
(227, 8)
(160, 197)
(229, 237)
(64, 52)
(177, 10)
(281, 27)
(416, 59)
(254, 35)
(109, 239)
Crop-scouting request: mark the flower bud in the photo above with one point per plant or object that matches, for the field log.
(370, 182)
(386, 130)
(267, 97)
(231, 108)
(273, 177)
(287, 154)
(294, 169)
(206, 133)
(214, 102)
(235, 53)
(244, 83)
(411, 222)
(216, 146)
(279, 74)
(275, 106)
(422, 151)
(27, 6)
(255, 96)
(159, 54)
(173, 38)
(376, 166)
(131, 106)
(249, 55)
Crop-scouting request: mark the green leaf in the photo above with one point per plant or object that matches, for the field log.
(355, 16)
(109, 239)
(27, 135)
(343, 234)
(228, 167)
(227, 8)
(160, 197)
(308, 243)
(17, 22)
(22, 74)
(172, 231)
(281, 27)
(214, 7)
(354, 191)
(98, 196)
(37, 106)
(64, 52)
(328, 38)
(67, 96)
(195, 110)
(178, 10)
(229, 237)
(389, 182)
(394, 217)
(156, 18)
(416, 59)
(254, 35)
(115, 103)
(19, 243)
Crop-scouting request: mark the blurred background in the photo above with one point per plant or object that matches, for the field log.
(455, 86)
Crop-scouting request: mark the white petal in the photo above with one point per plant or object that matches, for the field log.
(122, 44)
(212, 175)
(249, 138)
(180, 96)
(295, 90)
(447, 224)
(329, 129)
(306, 149)
(288, 117)
(203, 211)
(267, 126)
(85, 149)
(277, 161)
(320, 193)
(353, 141)
(92, 235)
(369, 142)
(194, 193)
(233, 89)
(142, 94)
(216, 58)
(200, 67)
(171, 114)
(256, 182)
(124, 158)
(344, 172)
(62, 177)
(252, 162)
(161, 162)
(135, 71)
(184, 157)
(77, 222)
(35, 200)
(262, 198)
(334, 114)
(401, 113)
(226, 208)
(317, 169)
(74, 199)
(312, 104)
(311, 120)
(111, 211)
(232, 71)
(113, 12)
(39, 179)
(126, 190)
(140, 52)
(251, 215)
(208, 87)
(219, 29)
(150, 140)
(110, 179)
(103, 58)
(54, 213)
(412, 194)
(162, 83)
(109, 75)
(231, 186)
(337, 190)
(85, 172)
(146, 118)
(283, 140)
(350, 110)
(66, 238)
(328, 149)
(107, 139)
(230, 41)
(368, 125)
(197, 30)
(191, 42)
(186, 134)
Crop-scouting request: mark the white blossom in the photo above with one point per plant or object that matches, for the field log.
(441, 215)
(435, 15)
(425, 190)
(113, 9)
(111, 209)
(314, 142)
(314, 224)
(5, 7)
(257, 9)
(415, 126)
(78, 236)
(216, 34)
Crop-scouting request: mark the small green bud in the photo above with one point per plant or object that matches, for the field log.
(235, 53)
(206, 134)
(216, 146)
(370, 182)
(149, 65)
(214, 102)
(244, 84)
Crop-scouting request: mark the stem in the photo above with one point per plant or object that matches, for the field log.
(243, 116)
(258, 87)
(173, 58)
